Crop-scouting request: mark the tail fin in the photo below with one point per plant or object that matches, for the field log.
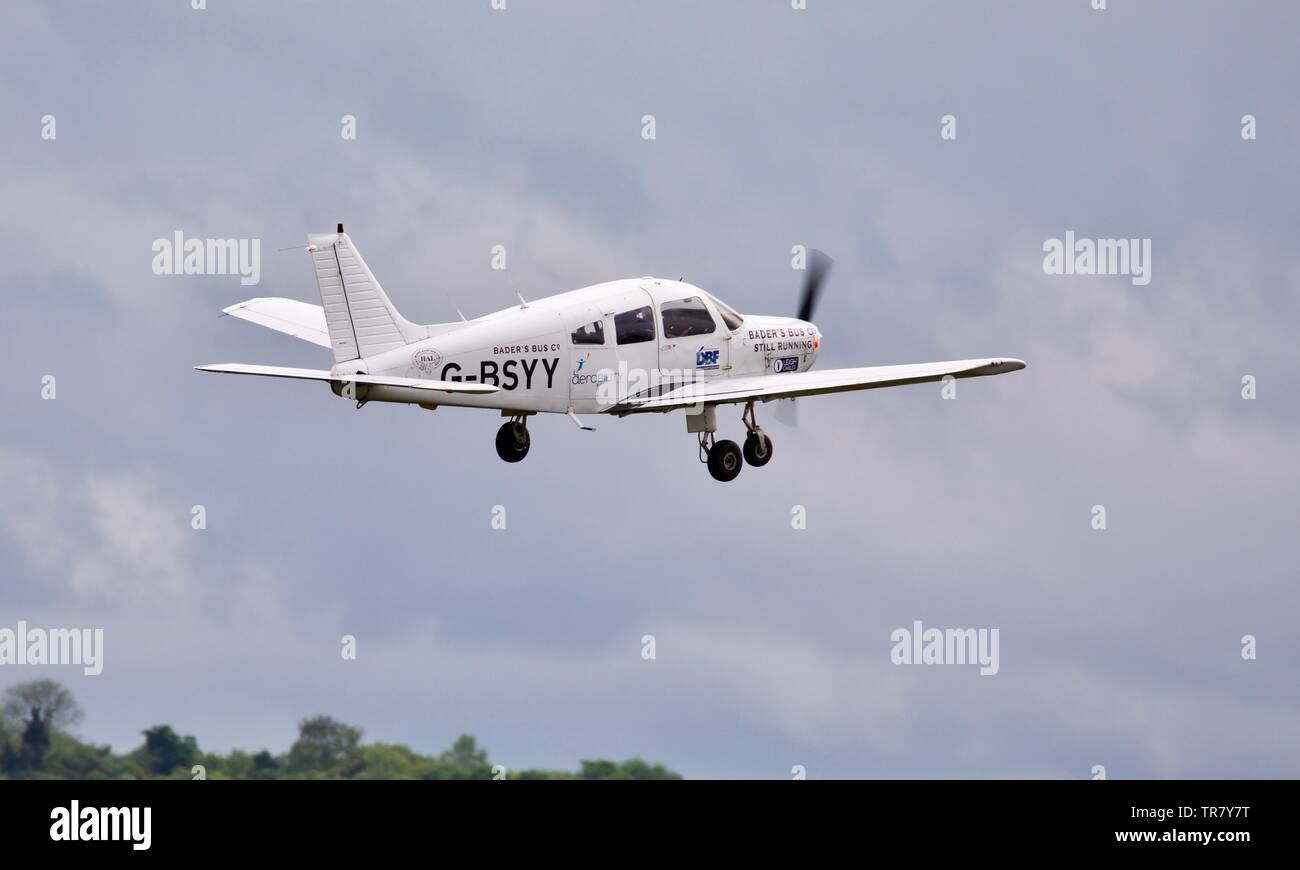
(361, 320)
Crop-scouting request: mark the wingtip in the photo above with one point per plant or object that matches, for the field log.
(230, 309)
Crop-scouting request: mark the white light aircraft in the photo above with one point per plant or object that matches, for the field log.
(632, 346)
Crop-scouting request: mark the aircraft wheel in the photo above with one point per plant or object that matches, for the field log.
(758, 449)
(513, 441)
(725, 461)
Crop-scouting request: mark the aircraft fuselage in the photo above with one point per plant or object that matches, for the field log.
(587, 349)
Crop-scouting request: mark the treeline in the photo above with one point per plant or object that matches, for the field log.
(35, 743)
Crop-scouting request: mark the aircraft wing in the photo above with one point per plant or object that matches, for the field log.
(322, 375)
(788, 386)
(299, 319)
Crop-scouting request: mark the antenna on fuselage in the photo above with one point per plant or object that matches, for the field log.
(523, 303)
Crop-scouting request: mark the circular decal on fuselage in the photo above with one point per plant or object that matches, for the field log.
(426, 360)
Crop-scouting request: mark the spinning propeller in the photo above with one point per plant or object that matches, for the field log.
(815, 271)
(814, 274)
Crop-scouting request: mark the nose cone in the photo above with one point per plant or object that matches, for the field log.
(816, 336)
(805, 337)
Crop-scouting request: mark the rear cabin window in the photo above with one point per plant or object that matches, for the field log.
(686, 317)
(590, 333)
(635, 326)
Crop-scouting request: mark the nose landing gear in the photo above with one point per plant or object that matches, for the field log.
(513, 439)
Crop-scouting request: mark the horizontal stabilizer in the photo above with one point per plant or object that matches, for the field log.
(299, 319)
(322, 375)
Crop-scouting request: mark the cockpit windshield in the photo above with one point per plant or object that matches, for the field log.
(729, 317)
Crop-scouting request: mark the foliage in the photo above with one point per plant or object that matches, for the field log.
(35, 744)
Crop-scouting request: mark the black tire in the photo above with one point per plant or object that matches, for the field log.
(758, 449)
(725, 460)
(513, 441)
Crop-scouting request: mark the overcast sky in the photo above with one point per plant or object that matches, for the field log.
(774, 127)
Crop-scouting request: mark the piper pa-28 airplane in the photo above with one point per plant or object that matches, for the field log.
(633, 346)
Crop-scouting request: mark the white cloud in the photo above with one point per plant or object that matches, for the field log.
(107, 538)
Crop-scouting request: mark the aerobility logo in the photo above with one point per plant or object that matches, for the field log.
(583, 376)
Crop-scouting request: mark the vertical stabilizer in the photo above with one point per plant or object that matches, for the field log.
(361, 320)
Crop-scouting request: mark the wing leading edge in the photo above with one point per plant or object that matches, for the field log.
(789, 386)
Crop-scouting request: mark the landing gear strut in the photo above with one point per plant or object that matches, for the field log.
(758, 447)
(513, 440)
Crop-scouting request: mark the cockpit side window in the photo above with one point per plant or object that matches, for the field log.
(686, 317)
(590, 333)
(729, 317)
(635, 326)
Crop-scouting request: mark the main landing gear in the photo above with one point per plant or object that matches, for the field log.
(513, 440)
(758, 447)
(725, 459)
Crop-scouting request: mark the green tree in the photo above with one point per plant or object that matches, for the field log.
(633, 768)
(165, 750)
(36, 709)
(35, 745)
(266, 766)
(70, 758)
(8, 755)
(466, 759)
(393, 761)
(237, 765)
(325, 746)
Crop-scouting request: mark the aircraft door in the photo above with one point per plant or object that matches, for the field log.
(636, 342)
(593, 359)
(693, 345)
